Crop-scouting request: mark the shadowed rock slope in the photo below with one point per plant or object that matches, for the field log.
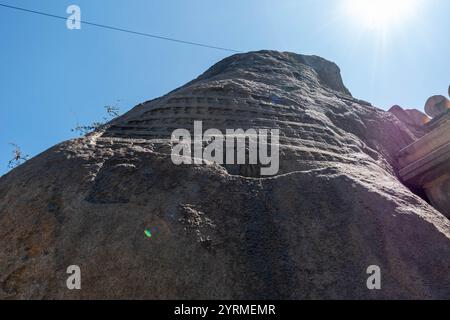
(222, 232)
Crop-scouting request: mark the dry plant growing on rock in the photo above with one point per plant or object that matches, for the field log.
(18, 157)
(111, 113)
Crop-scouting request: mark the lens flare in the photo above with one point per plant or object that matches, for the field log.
(148, 233)
(378, 14)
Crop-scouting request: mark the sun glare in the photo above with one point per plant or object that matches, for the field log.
(379, 14)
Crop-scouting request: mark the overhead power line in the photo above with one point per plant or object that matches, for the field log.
(120, 29)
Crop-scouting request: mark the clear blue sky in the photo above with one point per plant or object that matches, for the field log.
(51, 77)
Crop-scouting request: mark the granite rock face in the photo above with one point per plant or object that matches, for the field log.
(412, 118)
(335, 208)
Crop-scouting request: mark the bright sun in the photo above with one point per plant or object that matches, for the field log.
(379, 14)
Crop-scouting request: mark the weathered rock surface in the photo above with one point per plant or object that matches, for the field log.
(437, 105)
(219, 232)
(412, 118)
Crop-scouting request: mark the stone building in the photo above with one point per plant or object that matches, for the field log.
(425, 163)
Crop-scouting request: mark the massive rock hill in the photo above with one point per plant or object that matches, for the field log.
(335, 208)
